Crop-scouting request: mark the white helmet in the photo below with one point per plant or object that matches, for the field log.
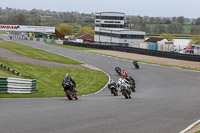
(120, 81)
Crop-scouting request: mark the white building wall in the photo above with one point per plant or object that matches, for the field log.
(162, 41)
(109, 39)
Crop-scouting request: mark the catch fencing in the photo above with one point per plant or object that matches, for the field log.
(138, 51)
(16, 85)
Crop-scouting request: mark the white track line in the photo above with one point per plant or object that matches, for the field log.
(190, 127)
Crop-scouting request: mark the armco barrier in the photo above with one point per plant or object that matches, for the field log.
(10, 69)
(15, 85)
(138, 51)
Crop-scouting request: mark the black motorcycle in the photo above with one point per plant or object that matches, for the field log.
(113, 88)
(132, 83)
(125, 91)
(135, 63)
(70, 91)
(118, 70)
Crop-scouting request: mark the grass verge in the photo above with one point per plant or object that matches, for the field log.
(3, 32)
(49, 79)
(70, 47)
(36, 53)
(187, 68)
(82, 48)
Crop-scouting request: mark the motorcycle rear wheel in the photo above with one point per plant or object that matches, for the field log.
(68, 94)
(115, 92)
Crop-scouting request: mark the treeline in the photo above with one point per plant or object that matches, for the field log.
(47, 17)
(151, 25)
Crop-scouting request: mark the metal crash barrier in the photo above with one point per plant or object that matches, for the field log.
(16, 85)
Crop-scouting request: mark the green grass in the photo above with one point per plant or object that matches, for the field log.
(186, 28)
(49, 79)
(70, 47)
(198, 132)
(37, 53)
(3, 32)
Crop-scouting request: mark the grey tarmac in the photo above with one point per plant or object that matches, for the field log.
(166, 101)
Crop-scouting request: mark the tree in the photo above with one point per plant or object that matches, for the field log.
(80, 22)
(86, 30)
(159, 29)
(169, 37)
(168, 21)
(195, 40)
(20, 19)
(65, 29)
(197, 21)
(175, 28)
(181, 19)
(195, 30)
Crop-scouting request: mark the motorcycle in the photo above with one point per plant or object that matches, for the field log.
(135, 63)
(118, 70)
(124, 74)
(113, 88)
(69, 91)
(132, 83)
(125, 91)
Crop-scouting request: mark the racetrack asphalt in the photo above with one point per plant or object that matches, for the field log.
(166, 101)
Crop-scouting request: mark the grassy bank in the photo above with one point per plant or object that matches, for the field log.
(49, 79)
(187, 68)
(36, 53)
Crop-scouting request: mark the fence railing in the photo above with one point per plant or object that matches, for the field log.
(16, 85)
(138, 51)
(120, 48)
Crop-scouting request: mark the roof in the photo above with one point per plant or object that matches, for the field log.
(153, 39)
(82, 34)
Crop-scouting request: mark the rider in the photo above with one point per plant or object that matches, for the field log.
(122, 82)
(124, 74)
(117, 69)
(67, 80)
(112, 83)
(135, 62)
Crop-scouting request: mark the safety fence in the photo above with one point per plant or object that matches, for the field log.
(16, 85)
(116, 47)
(10, 69)
(138, 51)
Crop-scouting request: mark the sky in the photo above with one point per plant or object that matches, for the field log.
(151, 8)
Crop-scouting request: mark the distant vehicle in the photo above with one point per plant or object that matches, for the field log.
(78, 40)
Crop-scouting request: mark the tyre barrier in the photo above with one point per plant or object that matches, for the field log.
(11, 70)
(16, 85)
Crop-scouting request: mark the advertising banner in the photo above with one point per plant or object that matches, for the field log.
(25, 28)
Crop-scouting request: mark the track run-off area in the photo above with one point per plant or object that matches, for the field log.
(166, 101)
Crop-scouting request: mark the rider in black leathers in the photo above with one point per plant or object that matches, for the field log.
(112, 83)
(69, 80)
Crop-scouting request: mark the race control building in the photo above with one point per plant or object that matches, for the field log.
(111, 27)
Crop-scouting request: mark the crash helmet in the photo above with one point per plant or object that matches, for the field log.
(120, 81)
(111, 81)
(67, 75)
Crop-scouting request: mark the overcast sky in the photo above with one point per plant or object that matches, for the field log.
(152, 8)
